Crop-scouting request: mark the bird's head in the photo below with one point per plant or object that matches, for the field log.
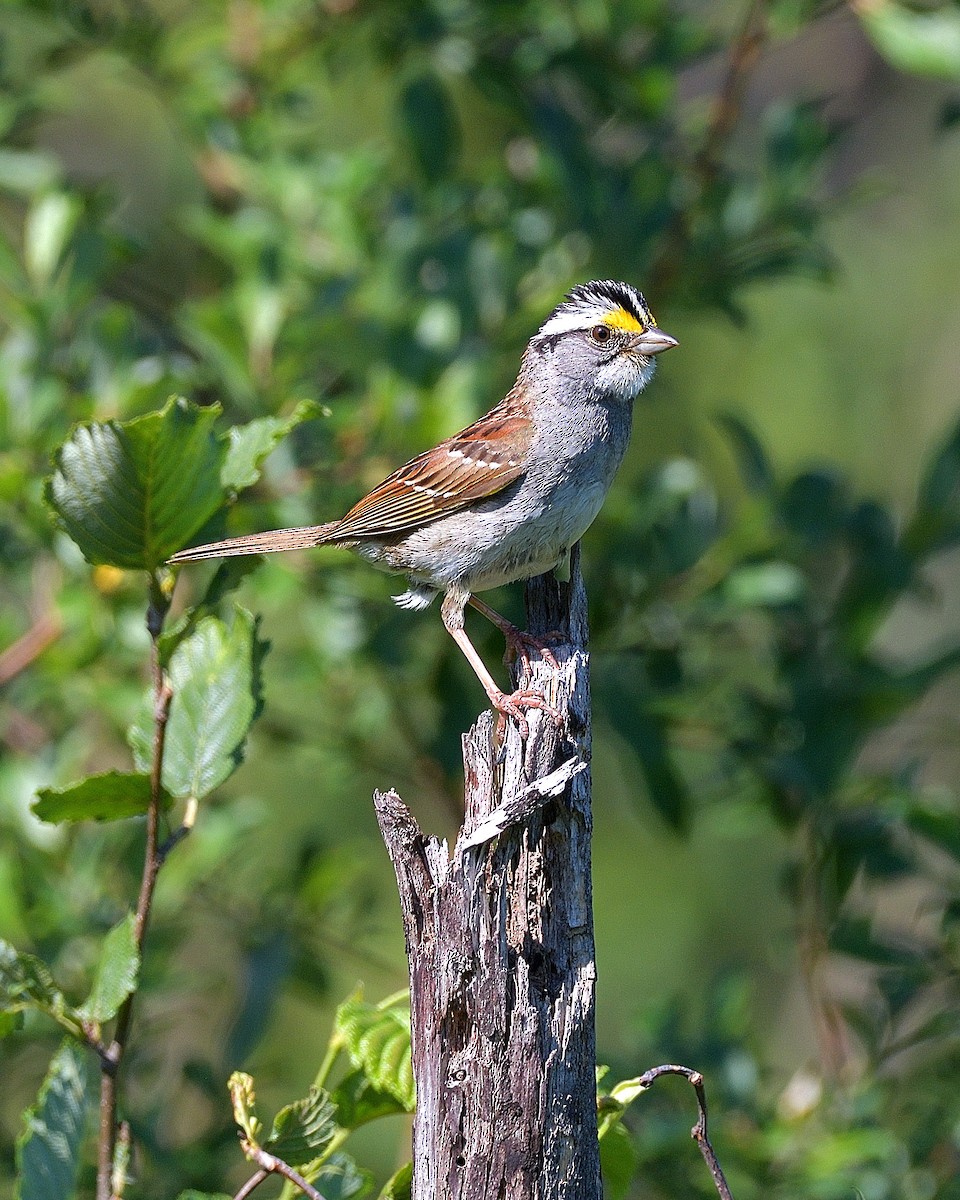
(603, 336)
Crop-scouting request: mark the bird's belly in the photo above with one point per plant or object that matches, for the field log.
(497, 542)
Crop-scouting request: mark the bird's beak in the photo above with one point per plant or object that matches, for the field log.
(655, 341)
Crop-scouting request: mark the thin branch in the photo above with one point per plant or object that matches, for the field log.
(111, 1062)
(725, 113)
(728, 102)
(699, 1131)
(269, 1165)
(252, 1184)
(17, 657)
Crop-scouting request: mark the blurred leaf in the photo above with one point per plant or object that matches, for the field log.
(923, 42)
(48, 1149)
(192, 1194)
(949, 113)
(430, 124)
(358, 1101)
(940, 828)
(618, 1161)
(936, 522)
(26, 983)
(340, 1178)
(249, 445)
(10, 1022)
(214, 674)
(855, 936)
(107, 797)
(399, 1184)
(755, 468)
(46, 231)
(378, 1042)
(765, 585)
(302, 1129)
(132, 493)
(117, 972)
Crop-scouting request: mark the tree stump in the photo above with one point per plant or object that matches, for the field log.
(500, 946)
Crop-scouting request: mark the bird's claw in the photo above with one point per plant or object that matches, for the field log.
(520, 644)
(512, 705)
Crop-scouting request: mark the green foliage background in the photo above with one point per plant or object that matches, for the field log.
(342, 220)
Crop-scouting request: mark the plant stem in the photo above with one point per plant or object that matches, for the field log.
(724, 115)
(111, 1061)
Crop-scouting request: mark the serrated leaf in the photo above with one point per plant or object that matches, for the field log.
(214, 674)
(358, 1101)
(26, 983)
(248, 445)
(399, 1184)
(108, 797)
(117, 972)
(378, 1043)
(48, 1150)
(925, 43)
(301, 1130)
(131, 493)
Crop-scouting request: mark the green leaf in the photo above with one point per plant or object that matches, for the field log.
(340, 1178)
(249, 445)
(618, 1162)
(215, 677)
(399, 1184)
(10, 1022)
(117, 971)
(755, 468)
(131, 493)
(430, 124)
(936, 523)
(358, 1101)
(377, 1039)
(243, 1099)
(301, 1130)
(48, 1150)
(107, 797)
(193, 1194)
(26, 983)
(924, 43)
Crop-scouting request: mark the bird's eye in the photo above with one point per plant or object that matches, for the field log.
(601, 334)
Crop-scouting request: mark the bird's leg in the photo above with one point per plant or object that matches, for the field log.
(519, 642)
(512, 705)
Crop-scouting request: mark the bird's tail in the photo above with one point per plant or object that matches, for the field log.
(270, 542)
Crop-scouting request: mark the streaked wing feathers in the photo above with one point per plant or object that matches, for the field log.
(483, 459)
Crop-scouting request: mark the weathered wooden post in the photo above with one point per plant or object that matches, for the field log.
(500, 947)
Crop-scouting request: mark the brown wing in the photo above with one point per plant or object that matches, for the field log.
(477, 462)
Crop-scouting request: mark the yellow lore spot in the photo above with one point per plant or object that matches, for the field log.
(619, 318)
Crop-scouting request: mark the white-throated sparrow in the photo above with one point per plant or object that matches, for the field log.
(507, 497)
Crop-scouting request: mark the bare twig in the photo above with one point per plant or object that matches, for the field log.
(269, 1165)
(699, 1131)
(252, 1184)
(111, 1061)
(29, 646)
(725, 113)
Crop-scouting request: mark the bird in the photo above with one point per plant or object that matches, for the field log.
(506, 497)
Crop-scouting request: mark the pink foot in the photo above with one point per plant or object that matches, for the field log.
(513, 705)
(520, 645)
